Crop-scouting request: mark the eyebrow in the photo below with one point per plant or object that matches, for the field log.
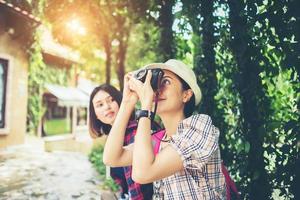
(101, 100)
(167, 77)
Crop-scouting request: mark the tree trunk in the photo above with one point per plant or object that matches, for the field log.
(107, 47)
(121, 62)
(166, 46)
(205, 64)
(123, 37)
(254, 103)
(204, 54)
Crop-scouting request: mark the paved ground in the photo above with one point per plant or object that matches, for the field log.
(27, 172)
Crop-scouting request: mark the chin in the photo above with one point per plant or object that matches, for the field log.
(109, 121)
(160, 111)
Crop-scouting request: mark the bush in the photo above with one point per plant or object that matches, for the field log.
(95, 157)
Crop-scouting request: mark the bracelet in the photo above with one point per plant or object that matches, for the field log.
(144, 113)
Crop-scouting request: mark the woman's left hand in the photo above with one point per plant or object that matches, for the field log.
(129, 96)
(143, 90)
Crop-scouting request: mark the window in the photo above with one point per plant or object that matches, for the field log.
(3, 82)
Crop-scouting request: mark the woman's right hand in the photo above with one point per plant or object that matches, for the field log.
(129, 96)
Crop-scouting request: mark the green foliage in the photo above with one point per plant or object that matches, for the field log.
(35, 86)
(145, 52)
(109, 184)
(280, 87)
(281, 142)
(95, 157)
(39, 72)
(39, 75)
(269, 47)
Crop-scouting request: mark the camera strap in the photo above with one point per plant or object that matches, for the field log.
(155, 101)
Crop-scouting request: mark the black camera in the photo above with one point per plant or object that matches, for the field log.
(157, 75)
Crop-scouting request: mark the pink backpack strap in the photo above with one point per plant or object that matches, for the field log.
(230, 185)
(156, 139)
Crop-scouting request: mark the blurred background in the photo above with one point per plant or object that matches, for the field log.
(246, 55)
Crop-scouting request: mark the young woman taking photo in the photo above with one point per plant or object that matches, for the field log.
(188, 164)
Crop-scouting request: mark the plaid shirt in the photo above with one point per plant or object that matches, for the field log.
(136, 191)
(196, 141)
(118, 175)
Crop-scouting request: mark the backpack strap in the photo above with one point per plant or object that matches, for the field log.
(156, 140)
(230, 185)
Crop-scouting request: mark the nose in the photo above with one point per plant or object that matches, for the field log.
(154, 96)
(107, 105)
(157, 95)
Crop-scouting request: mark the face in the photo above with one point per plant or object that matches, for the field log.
(171, 97)
(106, 108)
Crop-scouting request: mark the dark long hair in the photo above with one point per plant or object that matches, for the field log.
(189, 106)
(96, 127)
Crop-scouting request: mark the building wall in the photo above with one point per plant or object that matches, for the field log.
(16, 95)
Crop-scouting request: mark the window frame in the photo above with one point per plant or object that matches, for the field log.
(6, 129)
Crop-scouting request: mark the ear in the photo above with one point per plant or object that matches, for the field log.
(187, 95)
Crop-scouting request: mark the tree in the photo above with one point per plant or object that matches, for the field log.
(254, 103)
(280, 22)
(200, 16)
(166, 46)
(120, 17)
(65, 18)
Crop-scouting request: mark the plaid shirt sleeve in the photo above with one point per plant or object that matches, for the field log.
(196, 140)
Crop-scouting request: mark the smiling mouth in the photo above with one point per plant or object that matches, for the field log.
(158, 100)
(110, 114)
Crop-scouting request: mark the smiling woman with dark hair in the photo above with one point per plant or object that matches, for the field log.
(97, 126)
(104, 105)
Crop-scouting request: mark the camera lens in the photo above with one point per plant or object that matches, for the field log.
(140, 75)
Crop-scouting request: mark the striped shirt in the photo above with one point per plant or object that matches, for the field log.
(196, 141)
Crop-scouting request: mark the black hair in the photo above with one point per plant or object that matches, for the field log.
(189, 106)
(96, 127)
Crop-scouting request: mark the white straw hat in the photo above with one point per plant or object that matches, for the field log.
(183, 71)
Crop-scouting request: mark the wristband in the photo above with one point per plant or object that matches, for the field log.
(144, 113)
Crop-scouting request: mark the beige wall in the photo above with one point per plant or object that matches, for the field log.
(16, 95)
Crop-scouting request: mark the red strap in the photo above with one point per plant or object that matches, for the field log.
(156, 139)
(230, 185)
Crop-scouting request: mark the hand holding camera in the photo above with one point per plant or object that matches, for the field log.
(145, 84)
(157, 75)
(129, 96)
(152, 82)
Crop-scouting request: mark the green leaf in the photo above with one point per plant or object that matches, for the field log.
(247, 147)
